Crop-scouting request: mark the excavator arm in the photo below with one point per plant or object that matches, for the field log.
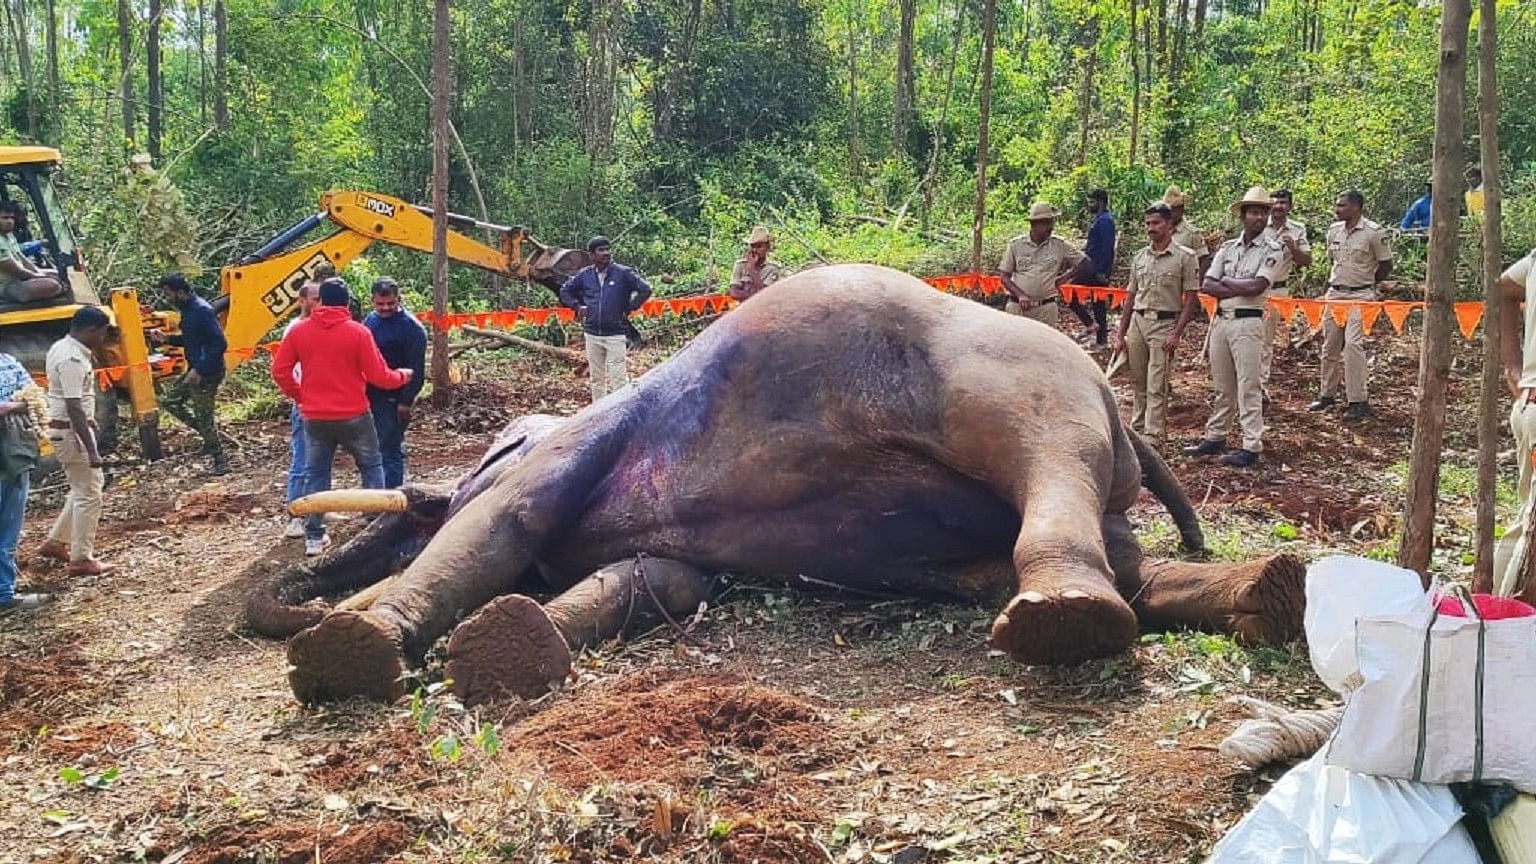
(261, 290)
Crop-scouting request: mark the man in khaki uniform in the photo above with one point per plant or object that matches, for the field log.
(1160, 300)
(1241, 271)
(1292, 234)
(754, 272)
(1035, 265)
(1362, 257)
(1518, 285)
(71, 405)
(1184, 232)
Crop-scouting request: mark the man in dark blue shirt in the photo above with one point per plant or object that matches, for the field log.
(604, 294)
(1099, 252)
(1417, 217)
(403, 342)
(190, 398)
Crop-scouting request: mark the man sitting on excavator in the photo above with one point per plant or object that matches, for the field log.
(20, 281)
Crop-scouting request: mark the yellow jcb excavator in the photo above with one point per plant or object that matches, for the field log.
(256, 293)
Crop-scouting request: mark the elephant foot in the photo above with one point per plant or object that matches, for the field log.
(1261, 602)
(509, 647)
(347, 654)
(1068, 626)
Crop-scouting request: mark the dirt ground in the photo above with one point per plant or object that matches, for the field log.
(138, 721)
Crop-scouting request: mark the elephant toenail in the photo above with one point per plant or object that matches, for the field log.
(1032, 597)
(1074, 594)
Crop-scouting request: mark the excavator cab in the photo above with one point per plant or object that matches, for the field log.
(28, 177)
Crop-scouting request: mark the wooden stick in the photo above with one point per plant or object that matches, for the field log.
(566, 354)
(364, 598)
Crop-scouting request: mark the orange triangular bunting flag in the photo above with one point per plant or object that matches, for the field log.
(1067, 294)
(718, 301)
(696, 304)
(1467, 315)
(1369, 312)
(1339, 312)
(565, 315)
(652, 308)
(1312, 310)
(1284, 307)
(1397, 312)
(1209, 303)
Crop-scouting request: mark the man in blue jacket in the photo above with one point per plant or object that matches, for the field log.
(603, 294)
(1417, 217)
(403, 342)
(190, 398)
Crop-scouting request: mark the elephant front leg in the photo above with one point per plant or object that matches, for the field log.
(1260, 601)
(1067, 609)
(515, 646)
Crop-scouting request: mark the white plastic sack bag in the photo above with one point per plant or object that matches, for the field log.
(1319, 814)
(1342, 589)
(1446, 701)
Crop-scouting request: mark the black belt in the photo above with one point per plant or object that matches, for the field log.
(1347, 288)
(1040, 302)
(1277, 285)
(1241, 313)
(1158, 314)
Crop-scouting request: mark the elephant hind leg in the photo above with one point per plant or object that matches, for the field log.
(1260, 601)
(515, 646)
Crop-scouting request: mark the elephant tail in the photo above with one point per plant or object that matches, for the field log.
(1160, 481)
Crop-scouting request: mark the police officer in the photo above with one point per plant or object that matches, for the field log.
(1035, 265)
(1241, 272)
(1160, 301)
(754, 272)
(1292, 234)
(1184, 232)
(1362, 256)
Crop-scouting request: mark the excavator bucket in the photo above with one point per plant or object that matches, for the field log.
(550, 266)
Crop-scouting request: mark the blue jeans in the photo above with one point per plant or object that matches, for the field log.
(13, 506)
(386, 422)
(295, 458)
(321, 438)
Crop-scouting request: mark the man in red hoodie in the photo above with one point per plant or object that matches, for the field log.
(340, 360)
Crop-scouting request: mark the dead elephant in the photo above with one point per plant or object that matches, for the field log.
(852, 425)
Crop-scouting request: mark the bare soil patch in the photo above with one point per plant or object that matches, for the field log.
(298, 843)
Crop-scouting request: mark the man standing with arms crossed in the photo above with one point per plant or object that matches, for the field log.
(603, 294)
(71, 405)
(403, 342)
(1035, 265)
(1159, 303)
(1292, 234)
(1361, 258)
(1241, 271)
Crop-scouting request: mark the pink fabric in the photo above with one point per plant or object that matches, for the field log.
(1490, 607)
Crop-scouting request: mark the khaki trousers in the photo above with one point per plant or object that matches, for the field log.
(607, 364)
(1045, 313)
(1509, 548)
(1149, 366)
(1348, 340)
(1237, 356)
(1272, 324)
(81, 512)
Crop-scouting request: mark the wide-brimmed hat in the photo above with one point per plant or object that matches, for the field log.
(1043, 210)
(1255, 196)
(759, 235)
(1175, 197)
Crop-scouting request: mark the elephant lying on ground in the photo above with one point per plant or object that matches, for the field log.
(852, 425)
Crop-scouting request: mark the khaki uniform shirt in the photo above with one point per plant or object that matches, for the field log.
(1159, 280)
(1187, 235)
(741, 286)
(70, 376)
(1033, 267)
(1523, 272)
(1295, 229)
(1264, 257)
(1356, 253)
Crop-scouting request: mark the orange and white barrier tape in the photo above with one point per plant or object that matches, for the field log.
(1468, 315)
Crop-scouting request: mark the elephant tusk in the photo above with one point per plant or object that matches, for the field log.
(350, 501)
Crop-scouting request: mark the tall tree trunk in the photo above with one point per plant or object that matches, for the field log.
(1090, 62)
(125, 67)
(1162, 37)
(55, 91)
(988, 30)
(1180, 30)
(1444, 241)
(155, 88)
(1200, 8)
(1493, 263)
(906, 79)
(24, 65)
(855, 154)
(202, 65)
(442, 386)
(5, 43)
(935, 156)
(677, 74)
(1135, 88)
(220, 72)
(599, 80)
